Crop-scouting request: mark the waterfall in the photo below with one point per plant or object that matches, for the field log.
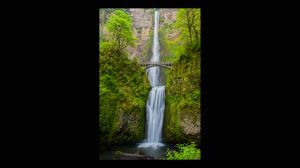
(156, 99)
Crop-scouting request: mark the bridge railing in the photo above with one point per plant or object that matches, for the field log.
(156, 63)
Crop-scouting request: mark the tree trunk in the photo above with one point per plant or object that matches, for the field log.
(189, 25)
(128, 156)
(196, 34)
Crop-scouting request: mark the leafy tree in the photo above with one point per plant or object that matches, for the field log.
(119, 26)
(188, 21)
(107, 52)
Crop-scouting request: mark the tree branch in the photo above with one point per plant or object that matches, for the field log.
(125, 45)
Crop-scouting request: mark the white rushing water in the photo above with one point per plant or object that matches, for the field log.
(156, 99)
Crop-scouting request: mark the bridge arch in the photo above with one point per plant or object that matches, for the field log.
(152, 64)
(149, 66)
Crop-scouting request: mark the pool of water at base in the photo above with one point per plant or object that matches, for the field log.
(108, 153)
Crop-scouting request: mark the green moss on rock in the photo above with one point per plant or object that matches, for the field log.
(182, 113)
(123, 95)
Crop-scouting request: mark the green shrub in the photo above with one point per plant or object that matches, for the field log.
(184, 152)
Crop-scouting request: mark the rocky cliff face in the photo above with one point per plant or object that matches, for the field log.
(142, 26)
(143, 30)
(142, 21)
(168, 16)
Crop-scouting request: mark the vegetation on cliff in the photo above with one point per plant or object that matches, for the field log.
(183, 152)
(182, 113)
(123, 85)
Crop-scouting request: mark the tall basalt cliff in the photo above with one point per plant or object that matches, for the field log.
(143, 30)
(142, 22)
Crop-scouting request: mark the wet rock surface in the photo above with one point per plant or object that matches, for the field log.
(139, 155)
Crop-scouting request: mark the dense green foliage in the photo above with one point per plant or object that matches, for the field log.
(184, 152)
(182, 113)
(123, 86)
(119, 26)
(188, 21)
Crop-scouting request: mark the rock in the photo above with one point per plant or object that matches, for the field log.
(140, 152)
(190, 126)
(128, 156)
(168, 15)
(143, 25)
